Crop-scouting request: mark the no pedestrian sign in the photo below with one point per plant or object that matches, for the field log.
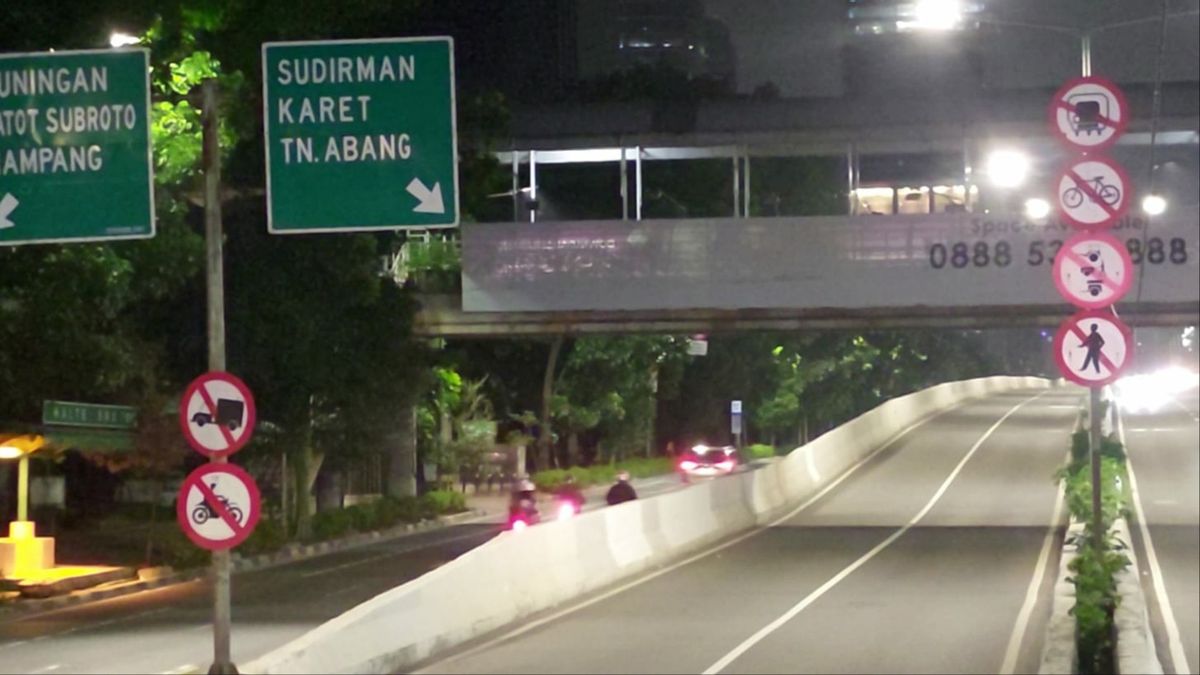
(1093, 348)
(1089, 113)
(360, 135)
(1093, 270)
(218, 506)
(1093, 192)
(75, 161)
(217, 414)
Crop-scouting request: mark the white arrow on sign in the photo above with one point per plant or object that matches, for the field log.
(430, 201)
(7, 206)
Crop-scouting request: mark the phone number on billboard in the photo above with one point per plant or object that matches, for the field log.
(959, 255)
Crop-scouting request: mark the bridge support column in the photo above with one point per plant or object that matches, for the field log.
(402, 464)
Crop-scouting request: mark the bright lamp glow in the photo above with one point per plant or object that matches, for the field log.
(1007, 168)
(1036, 209)
(1154, 205)
(10, 452)
(937, 14)
(119, 39)
(1151, 392)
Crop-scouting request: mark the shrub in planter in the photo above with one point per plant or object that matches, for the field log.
(331, 524)
(758, 451)
(268, 537)
(363, 517)
(439, 502)
(179, 552)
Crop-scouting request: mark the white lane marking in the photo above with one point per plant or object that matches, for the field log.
(189, 668)
(389, 554)
(87, 626)
(703, 554)
(766, 630)
(47, 669)
(1175, 645)
(1035, 584)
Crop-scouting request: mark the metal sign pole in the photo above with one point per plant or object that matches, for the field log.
(214, 271)
(1095, 438)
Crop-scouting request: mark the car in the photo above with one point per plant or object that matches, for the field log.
(704, 461)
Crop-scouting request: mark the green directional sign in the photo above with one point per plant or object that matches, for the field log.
(75, 160)
(94, 415)
(360, 135)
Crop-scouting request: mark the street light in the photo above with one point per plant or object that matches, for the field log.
(119, 39)
(946, 14)
(1154, 205)
(937, 14)
(19, 448)
(1007, 168)
(1037, 209)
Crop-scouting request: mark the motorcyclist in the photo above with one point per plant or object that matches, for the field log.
(621, 491)
(524, 501)
(568, 491)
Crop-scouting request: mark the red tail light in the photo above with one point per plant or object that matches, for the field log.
(688, 465)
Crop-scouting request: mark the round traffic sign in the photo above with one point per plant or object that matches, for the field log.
(218, 506)
(1093, 192)
(217, 414)
(1092, 348)
(1089, 113)
(1093, 270)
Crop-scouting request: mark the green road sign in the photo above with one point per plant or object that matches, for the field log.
(360, 135)
(75, 147)
(67, 414)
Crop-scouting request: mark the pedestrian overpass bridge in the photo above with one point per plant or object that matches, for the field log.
(789, 273)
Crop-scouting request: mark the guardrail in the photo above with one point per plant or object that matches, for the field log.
(491, 586)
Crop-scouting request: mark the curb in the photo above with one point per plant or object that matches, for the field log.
(293, 553)
(1135, 648)
(1058, 650)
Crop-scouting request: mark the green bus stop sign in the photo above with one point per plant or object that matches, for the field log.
(75, 161)
(360, 135)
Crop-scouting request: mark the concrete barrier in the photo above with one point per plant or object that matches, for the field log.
(517, 574)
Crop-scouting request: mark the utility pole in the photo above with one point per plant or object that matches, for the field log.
(215, 283)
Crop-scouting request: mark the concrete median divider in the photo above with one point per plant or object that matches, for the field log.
(519, 573)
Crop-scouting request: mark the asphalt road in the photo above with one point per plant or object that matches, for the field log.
(1164, 453)
(936, 555)
(170, 628)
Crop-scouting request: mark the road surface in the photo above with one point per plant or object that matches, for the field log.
(936, 555)
(169, 628)
(1164, 455)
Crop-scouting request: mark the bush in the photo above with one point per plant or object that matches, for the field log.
(440, 502)
(1112, 498)
(1080, 444)
(268, 537)
(1095, 570)
(392, 511)
(602, 474)
(758, 451)
(1096, 599)
(179, 552)
(331, 524)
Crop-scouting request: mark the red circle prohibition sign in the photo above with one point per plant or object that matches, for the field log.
(1101, 118)
(1102, 274)
(1097, 368)
(217, 414)
(238, 513)
(1088, 192)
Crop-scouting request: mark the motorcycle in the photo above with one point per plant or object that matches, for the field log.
(523, 511)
